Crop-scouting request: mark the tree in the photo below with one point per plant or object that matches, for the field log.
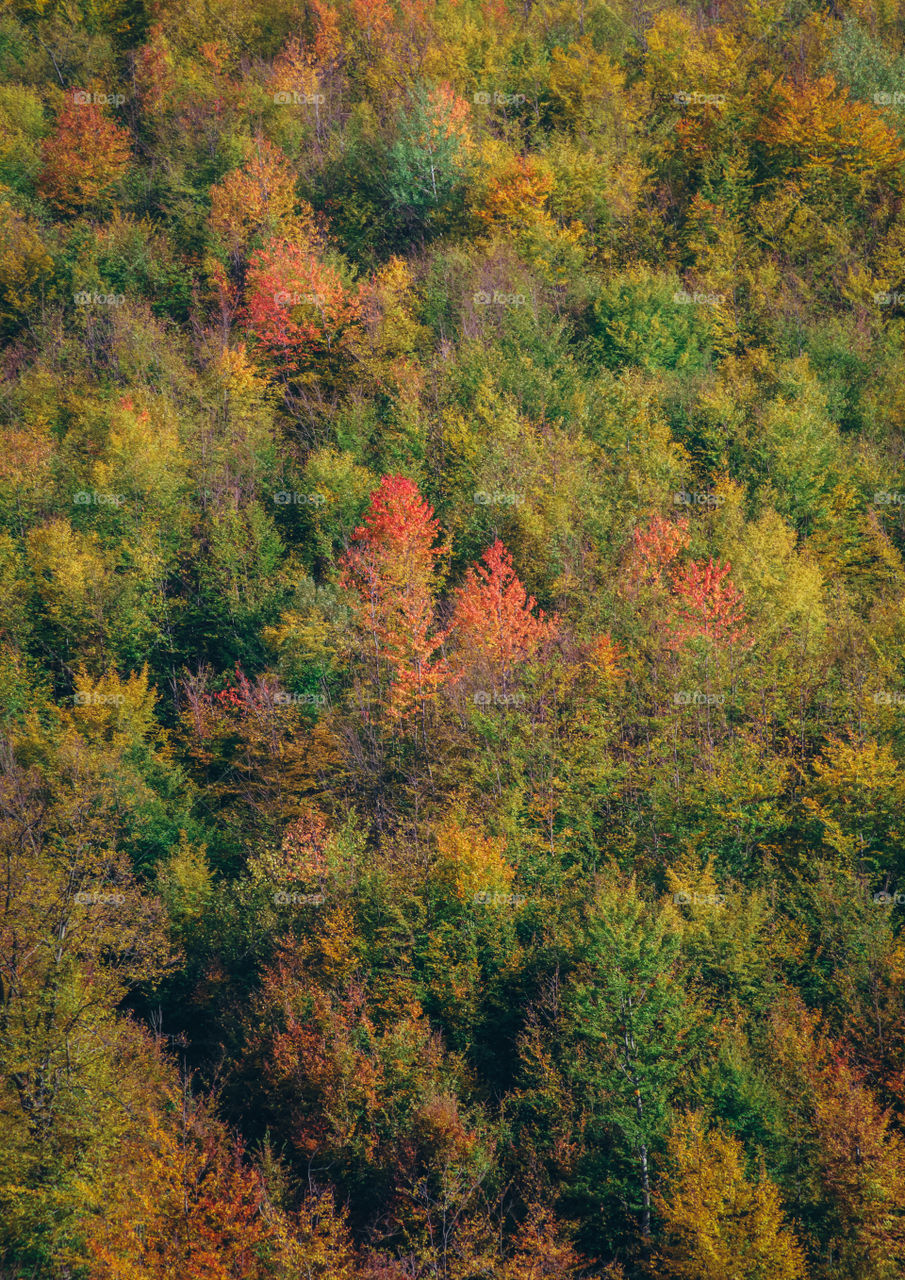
(493, 625)
(639, 323)
(468, 862)
(182, 1202)
(84, 157)
(634, 1029)
(716, 1221)
(299, 68)
(862, 1168)
(539, 1251)
(26, 270)
(257, 202)
(355, 1081)
(251, 746)
(77, 936)
(314, 1242)
(428, 163)
(848, 1158)
(391, 566)
(704, 603)
(856, 795)
(831, 143)
(390, 336)
(656, 548)
(709, 605)
(299, 311)
(517, 196)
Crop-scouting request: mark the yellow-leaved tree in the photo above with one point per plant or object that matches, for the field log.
(717, 1221)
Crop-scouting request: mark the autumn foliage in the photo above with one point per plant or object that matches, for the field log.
(709, 605)
(298, 309)
(191, 1205)
(257, 202)
(517, 196)
(391, 565)
(716, 1220)
(826, 136)
(703, 601)
(657, 546)
(494, 623)
(84, 157)
(452, 564)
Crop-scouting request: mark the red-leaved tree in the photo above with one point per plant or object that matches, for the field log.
(391, 567)
(710, 605)
(657, 546)
(701, 600)
(299, 310)
(84, 158)
(494, 623)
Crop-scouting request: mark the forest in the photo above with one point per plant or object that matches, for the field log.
(452, 640)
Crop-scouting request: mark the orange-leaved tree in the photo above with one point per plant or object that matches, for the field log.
(494, 621)
(710, 605)
(299, 310)
(656, 548)
(391, 566)
(257, 201)
(828, 140)
(516, 197)
(702, 601)
(182, 1202)
(84, 157)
